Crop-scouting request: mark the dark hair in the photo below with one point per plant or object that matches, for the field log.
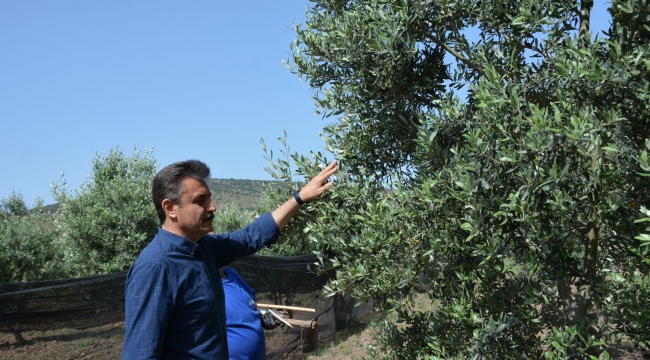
(168, 183)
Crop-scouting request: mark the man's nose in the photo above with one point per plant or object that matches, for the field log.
(211, 207)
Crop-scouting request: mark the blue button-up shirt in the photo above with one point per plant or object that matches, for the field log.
(174, 296)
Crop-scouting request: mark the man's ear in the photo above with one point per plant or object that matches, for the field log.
(170, 208)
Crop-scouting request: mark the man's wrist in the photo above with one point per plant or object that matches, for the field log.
(296, 195)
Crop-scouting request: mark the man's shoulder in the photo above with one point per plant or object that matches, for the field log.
(149, 259)
(150, 264)
(165, 253)
(155, 254)
(153, 250)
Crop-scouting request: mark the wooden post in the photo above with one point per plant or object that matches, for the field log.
(309, 338)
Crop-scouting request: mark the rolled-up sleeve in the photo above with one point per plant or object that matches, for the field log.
(148, 307)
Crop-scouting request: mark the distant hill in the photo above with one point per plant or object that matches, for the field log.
(52, 208)
(245, 193)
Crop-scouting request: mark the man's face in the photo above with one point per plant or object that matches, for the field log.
(195, 212)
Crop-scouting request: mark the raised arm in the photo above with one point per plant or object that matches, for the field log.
(315, 188)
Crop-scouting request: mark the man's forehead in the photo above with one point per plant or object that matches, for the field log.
(194, 187)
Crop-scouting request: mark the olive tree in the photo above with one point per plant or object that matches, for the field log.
(229, 218)
(504, 168)
(293, 239)
(30, 247)
(110, 218)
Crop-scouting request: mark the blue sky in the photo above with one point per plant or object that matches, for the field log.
(192, 79)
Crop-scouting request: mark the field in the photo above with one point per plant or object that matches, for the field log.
(105, 342)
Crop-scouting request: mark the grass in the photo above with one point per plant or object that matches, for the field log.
(351, 342)
(85, 343)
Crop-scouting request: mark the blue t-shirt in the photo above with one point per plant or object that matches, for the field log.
(173, 294)
(243, 324)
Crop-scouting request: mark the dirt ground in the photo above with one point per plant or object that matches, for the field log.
(105, 342)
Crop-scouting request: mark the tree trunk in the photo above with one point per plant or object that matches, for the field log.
(574, 291)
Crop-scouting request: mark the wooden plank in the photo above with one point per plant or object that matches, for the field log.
(281, 307)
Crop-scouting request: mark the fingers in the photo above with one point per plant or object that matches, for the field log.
(329, 170)
(318, 185)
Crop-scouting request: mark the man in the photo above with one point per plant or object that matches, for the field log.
(244, 322)
(173, 295)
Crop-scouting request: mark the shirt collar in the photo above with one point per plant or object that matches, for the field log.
(182, 244)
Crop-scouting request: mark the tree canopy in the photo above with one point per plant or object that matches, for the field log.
(29, 242)
(110, 218)
(503, 168)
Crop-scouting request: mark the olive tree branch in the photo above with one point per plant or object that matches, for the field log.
(456, 54)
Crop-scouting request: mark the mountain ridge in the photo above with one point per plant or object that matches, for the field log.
(244, 193)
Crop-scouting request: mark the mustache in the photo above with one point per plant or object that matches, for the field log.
(208, 217)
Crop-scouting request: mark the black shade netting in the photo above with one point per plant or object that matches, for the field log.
(70, 303)
(99, 300)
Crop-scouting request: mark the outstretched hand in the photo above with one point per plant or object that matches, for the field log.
(318, 184)
(314, 188)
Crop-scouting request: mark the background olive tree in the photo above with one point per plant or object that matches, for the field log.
(110, 218)
(518, 201)
(230, 218)
(29, 242)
